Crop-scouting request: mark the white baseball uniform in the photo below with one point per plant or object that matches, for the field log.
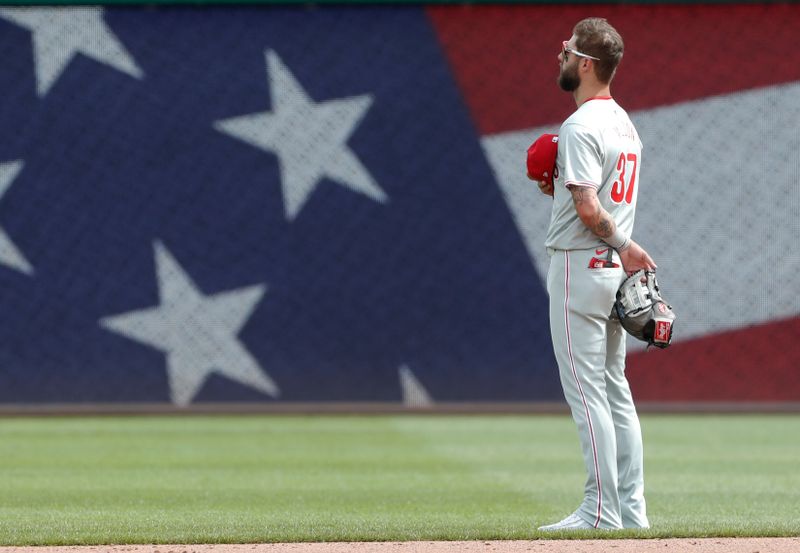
(598, 148)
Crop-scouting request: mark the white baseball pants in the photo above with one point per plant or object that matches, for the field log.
(590, 350)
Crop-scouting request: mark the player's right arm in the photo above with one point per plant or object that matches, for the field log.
(602, 224)
(545, 187)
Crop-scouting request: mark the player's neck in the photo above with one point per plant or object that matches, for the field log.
(587, 91)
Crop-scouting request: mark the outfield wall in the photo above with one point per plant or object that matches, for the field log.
(329, 204)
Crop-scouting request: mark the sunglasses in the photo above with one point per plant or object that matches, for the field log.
(567, 50)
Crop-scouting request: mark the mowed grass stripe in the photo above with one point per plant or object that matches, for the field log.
(293, 478)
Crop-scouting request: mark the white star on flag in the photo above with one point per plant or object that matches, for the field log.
(60, 33)
(310, 139)
(9, 254)
(414, 393)
(196, 331)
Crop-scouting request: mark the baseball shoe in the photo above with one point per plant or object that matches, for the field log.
(572, 522)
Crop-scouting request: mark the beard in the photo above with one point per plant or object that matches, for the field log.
(569, 80)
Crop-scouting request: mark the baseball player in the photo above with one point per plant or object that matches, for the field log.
(589, 242)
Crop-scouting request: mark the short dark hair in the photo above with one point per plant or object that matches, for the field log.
(596, 37)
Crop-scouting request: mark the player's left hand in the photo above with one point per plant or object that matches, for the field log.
(634, 258)
(544, 186)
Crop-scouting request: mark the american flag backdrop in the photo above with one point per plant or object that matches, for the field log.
(329, 203)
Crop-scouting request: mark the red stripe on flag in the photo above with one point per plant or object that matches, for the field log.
(505, 61)
(761, 363)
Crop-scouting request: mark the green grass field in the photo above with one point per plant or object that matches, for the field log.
(281, 478)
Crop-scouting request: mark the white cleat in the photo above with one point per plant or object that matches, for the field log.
(572, 522)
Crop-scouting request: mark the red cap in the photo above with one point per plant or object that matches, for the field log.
(542, 158)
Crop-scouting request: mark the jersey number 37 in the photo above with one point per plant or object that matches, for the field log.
(622, 190)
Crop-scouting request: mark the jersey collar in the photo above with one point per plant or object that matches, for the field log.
(597, 98)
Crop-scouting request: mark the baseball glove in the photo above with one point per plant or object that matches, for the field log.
(642, 311)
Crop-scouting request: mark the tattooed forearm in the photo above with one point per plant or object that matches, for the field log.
(597, 219)
(605, 225)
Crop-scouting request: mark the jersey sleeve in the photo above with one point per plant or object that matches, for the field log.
(581, 154)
